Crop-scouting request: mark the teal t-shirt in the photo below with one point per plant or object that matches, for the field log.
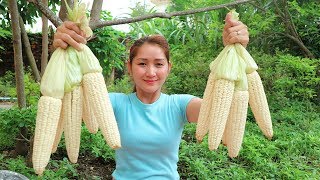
(150, 136)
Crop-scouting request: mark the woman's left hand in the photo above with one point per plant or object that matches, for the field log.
(235, 32)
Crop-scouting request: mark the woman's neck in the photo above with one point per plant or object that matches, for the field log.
(148, 98)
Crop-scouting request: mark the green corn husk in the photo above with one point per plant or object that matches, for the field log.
(247, 58)
(73, 71)
(225, 66)
(88, 61)
(241, 84)
(53, 79)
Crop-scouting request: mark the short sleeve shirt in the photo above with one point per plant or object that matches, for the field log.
(150, 136)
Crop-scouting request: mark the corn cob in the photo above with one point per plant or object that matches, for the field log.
(46, 126)
(221, 102)
(259, 105)
(88, 116)
(94, 86)
(59, 132)
(224, 136)
(205, 110)
(236, 122)
(72, 114)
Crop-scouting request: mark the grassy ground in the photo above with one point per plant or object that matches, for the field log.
(293, 153)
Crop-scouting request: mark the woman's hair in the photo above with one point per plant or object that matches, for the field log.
(153, 39)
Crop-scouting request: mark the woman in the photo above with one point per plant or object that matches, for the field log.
(150, 122)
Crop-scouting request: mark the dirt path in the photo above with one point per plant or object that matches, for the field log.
(5, 105)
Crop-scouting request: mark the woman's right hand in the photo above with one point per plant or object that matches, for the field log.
(69, 34)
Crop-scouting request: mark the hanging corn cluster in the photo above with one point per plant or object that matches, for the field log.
(232, 84)
(73, 90)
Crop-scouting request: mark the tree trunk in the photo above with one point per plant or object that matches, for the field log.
(28, 50)
(21, 146)
(17, 47)
(95, 11)
(111, 77)
(63, 9)
(45, 41)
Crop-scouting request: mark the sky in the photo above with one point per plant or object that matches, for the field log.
(118, 9)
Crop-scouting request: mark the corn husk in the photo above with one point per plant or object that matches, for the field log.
(53, 79)
(88, 61)
(73, 71)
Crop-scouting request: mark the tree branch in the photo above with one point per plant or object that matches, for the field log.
(164, 15)
(47, 12)
(27, 46)
(290, 27)
(97, 24)
(306, 51)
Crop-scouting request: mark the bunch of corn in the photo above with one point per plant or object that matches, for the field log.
(232, 83)
(73, 90)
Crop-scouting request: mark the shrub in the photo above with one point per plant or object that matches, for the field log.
(32, 88)
(190, 70)
(7, 84)
(121, 85)
(289, 77)
(12, 120)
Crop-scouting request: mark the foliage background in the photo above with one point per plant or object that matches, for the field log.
(291, 83)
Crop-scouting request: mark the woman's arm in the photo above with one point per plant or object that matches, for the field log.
(233, 32)
(193, 109)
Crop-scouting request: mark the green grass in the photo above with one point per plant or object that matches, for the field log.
(293, 153)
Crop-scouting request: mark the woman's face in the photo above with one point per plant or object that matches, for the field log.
(149, 69)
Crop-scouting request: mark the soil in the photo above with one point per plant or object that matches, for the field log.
(90, 167)
(87, 167)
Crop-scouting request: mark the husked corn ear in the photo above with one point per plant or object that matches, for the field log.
(58, 133)
(72, 115)
(224, 138)
(88, 116)
(46, 126)
(221, 102)
(95, 88)
(236, 122)
(259, 105)
(205, 110)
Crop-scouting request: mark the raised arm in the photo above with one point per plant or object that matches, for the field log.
(233, 32)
